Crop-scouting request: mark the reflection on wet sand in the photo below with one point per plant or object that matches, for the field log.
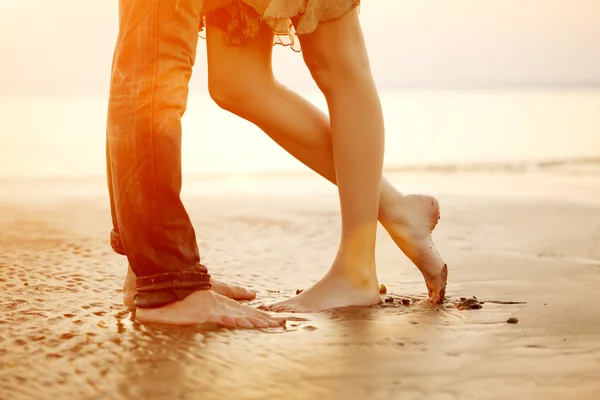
(64, 332)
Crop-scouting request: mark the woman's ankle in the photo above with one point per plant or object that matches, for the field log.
(388, 202)
(358, 274)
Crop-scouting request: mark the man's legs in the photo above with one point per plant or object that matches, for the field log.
(152, 66)
(149, 85)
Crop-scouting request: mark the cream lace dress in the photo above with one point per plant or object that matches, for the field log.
(241, 19)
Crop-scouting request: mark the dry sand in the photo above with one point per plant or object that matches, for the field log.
(529, 237)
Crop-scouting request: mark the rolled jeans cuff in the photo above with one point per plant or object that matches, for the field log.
(159, 290)
(116, 243)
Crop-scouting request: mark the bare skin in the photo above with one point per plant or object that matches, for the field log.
(335, 290)
(241, 81)
(210, 309)
(337, 59)
(410, 225)
(234, 292)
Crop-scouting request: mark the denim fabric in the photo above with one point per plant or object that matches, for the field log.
(152, 65)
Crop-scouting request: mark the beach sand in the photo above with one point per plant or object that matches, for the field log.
(530, 238)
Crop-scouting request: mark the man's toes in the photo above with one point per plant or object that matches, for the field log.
(276, 322)
(226, 322)
(233, 291)
(244, 323)
(238, 293)
(283, 308)
(258, 322)
(223, 290)
(273, 322)
(241, 293)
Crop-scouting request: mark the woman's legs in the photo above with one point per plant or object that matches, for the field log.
(241, 81)
(337, 59)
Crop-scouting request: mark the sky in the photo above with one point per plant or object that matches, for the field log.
(65, 46)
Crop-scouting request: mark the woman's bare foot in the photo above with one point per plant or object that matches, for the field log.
(336, 289)
(410, 223)
(234, 292)
(205, 307)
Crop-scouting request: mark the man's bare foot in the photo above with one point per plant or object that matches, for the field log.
(336, 289)
(410, 224)
(234, 292)
(129, 288)
(205, 307)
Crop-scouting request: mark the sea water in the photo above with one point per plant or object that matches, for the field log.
(61, 136)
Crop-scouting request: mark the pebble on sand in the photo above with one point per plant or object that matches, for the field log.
(512, 320)
(382, 289)
(298, 291)
(406, 302)
(389, 299)
(468, 304)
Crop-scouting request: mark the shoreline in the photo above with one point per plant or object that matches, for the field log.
(533, 185)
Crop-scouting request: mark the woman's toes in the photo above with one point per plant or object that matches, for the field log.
(276, 308)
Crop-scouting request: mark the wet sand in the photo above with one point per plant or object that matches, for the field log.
(528, 238)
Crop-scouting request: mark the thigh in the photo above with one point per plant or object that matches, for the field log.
(156, 37)
(152, 65)
(235, 62)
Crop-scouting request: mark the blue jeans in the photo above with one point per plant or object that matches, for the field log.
(152, 65)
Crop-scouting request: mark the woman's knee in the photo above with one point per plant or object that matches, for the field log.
(336, 53)
(227, 91)
(332, 69)
(240, 90)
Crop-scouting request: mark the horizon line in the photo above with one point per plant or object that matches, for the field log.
(431, 86)
(466, 167)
